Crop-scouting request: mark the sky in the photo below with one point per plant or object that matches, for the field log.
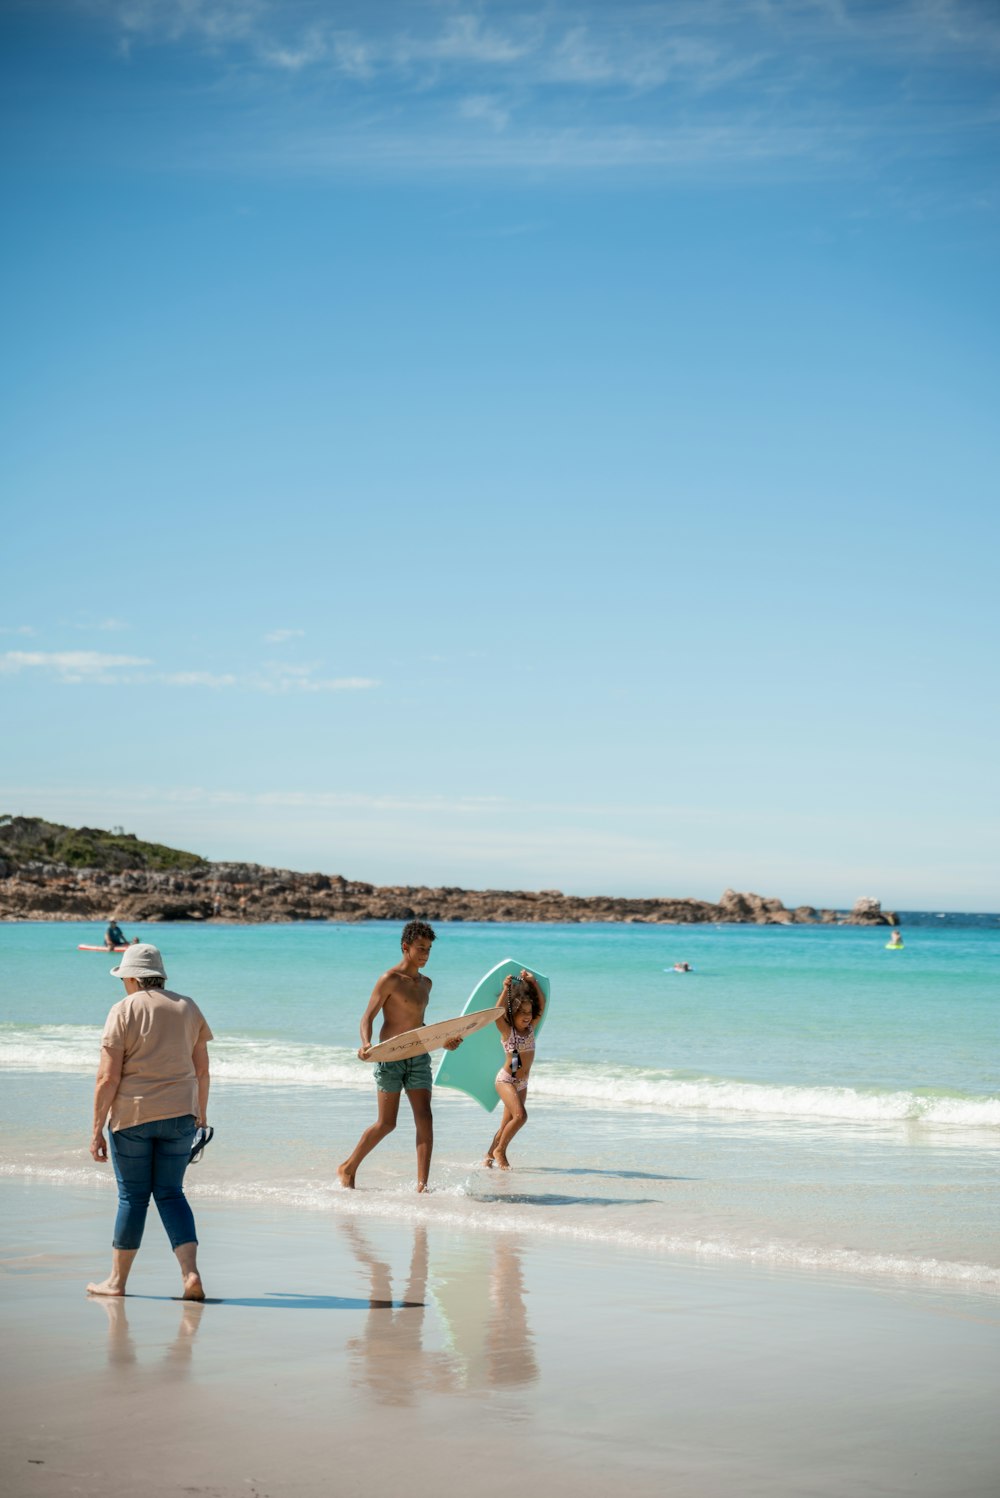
(508, 445)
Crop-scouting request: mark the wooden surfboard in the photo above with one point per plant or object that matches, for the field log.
(430, 1037)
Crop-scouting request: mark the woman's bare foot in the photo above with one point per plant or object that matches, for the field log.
(422, 1186)
(488, 1162)
(501, 1159)
(110, 1286)
(346, 1177)
(193, 1288)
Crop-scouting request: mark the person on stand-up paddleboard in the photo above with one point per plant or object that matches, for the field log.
(114, 936)
(401, 996)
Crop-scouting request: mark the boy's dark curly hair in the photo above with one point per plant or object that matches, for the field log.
(416, 931)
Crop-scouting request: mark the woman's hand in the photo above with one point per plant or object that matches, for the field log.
(99, 1147)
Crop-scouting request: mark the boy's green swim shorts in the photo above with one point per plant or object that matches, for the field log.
(413, 1074)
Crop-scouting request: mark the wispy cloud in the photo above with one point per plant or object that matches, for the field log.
(18, 629)
(680, 149)
(197, 679)
(464, 39)
(280, 676)
(106, 626)
(213, 21)
(279, 636)
(71, 665)
(588, 41)
(99, 669)
(329, 800)
(582, 58)
(485, 107)
(773, 88)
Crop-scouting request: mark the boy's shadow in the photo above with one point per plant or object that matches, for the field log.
(619, 1175)
(553, 1199)
(290, 1300)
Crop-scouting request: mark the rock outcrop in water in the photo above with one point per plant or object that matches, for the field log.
(149, 882)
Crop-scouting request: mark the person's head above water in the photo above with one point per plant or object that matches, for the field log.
(416, 941)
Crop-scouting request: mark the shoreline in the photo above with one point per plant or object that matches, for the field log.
(374, 1348)
(394, 1202)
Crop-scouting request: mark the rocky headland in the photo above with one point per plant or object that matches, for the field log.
(50, 872)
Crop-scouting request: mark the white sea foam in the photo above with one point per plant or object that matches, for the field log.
(662, 1092)
(267, 1063)
(505, 1213)
(75, 1048)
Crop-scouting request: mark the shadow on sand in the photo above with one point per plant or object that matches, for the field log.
(280, 1300)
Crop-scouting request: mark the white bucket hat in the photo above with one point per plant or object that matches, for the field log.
(141, 960)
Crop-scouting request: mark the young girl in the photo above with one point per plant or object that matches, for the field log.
(521, 1005)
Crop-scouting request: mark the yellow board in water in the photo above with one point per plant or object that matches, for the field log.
(894, 946)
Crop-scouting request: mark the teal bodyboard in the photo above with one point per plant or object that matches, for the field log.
(473, 1067)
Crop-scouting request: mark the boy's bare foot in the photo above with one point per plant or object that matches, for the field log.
(501, 1159)
(345, 1177)
(110, 1286)
(488, 1162)
(193, 1288)
(422, 1186)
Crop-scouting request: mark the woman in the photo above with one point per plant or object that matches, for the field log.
(153, 1079)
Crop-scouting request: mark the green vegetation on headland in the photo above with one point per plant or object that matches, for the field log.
(50, 872)
(27, 840)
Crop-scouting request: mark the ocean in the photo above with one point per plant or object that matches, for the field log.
(802, 1100)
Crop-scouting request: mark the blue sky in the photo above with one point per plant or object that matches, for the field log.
(550, 445)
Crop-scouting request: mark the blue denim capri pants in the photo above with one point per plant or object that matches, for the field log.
(150, 1160)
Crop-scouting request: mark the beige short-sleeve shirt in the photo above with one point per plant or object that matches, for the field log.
(156, 1031)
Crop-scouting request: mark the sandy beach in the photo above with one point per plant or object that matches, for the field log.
(341, 1354)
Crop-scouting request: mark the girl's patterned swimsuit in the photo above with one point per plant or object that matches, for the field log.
(514, 1045)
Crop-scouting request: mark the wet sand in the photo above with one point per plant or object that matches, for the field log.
(347, 1355)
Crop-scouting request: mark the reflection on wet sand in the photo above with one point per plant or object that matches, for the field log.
(480, 1291)
(121, 1346)
(480, 1296)
(389, 1358)
(510, 1347)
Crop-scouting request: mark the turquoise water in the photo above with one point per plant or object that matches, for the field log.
(803, 1098)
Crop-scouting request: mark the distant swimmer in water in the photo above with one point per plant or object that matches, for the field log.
(683, 967)
(896, 939)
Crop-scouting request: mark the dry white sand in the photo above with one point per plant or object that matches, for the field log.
(516, 1364)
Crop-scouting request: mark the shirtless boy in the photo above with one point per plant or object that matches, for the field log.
(402, 995)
